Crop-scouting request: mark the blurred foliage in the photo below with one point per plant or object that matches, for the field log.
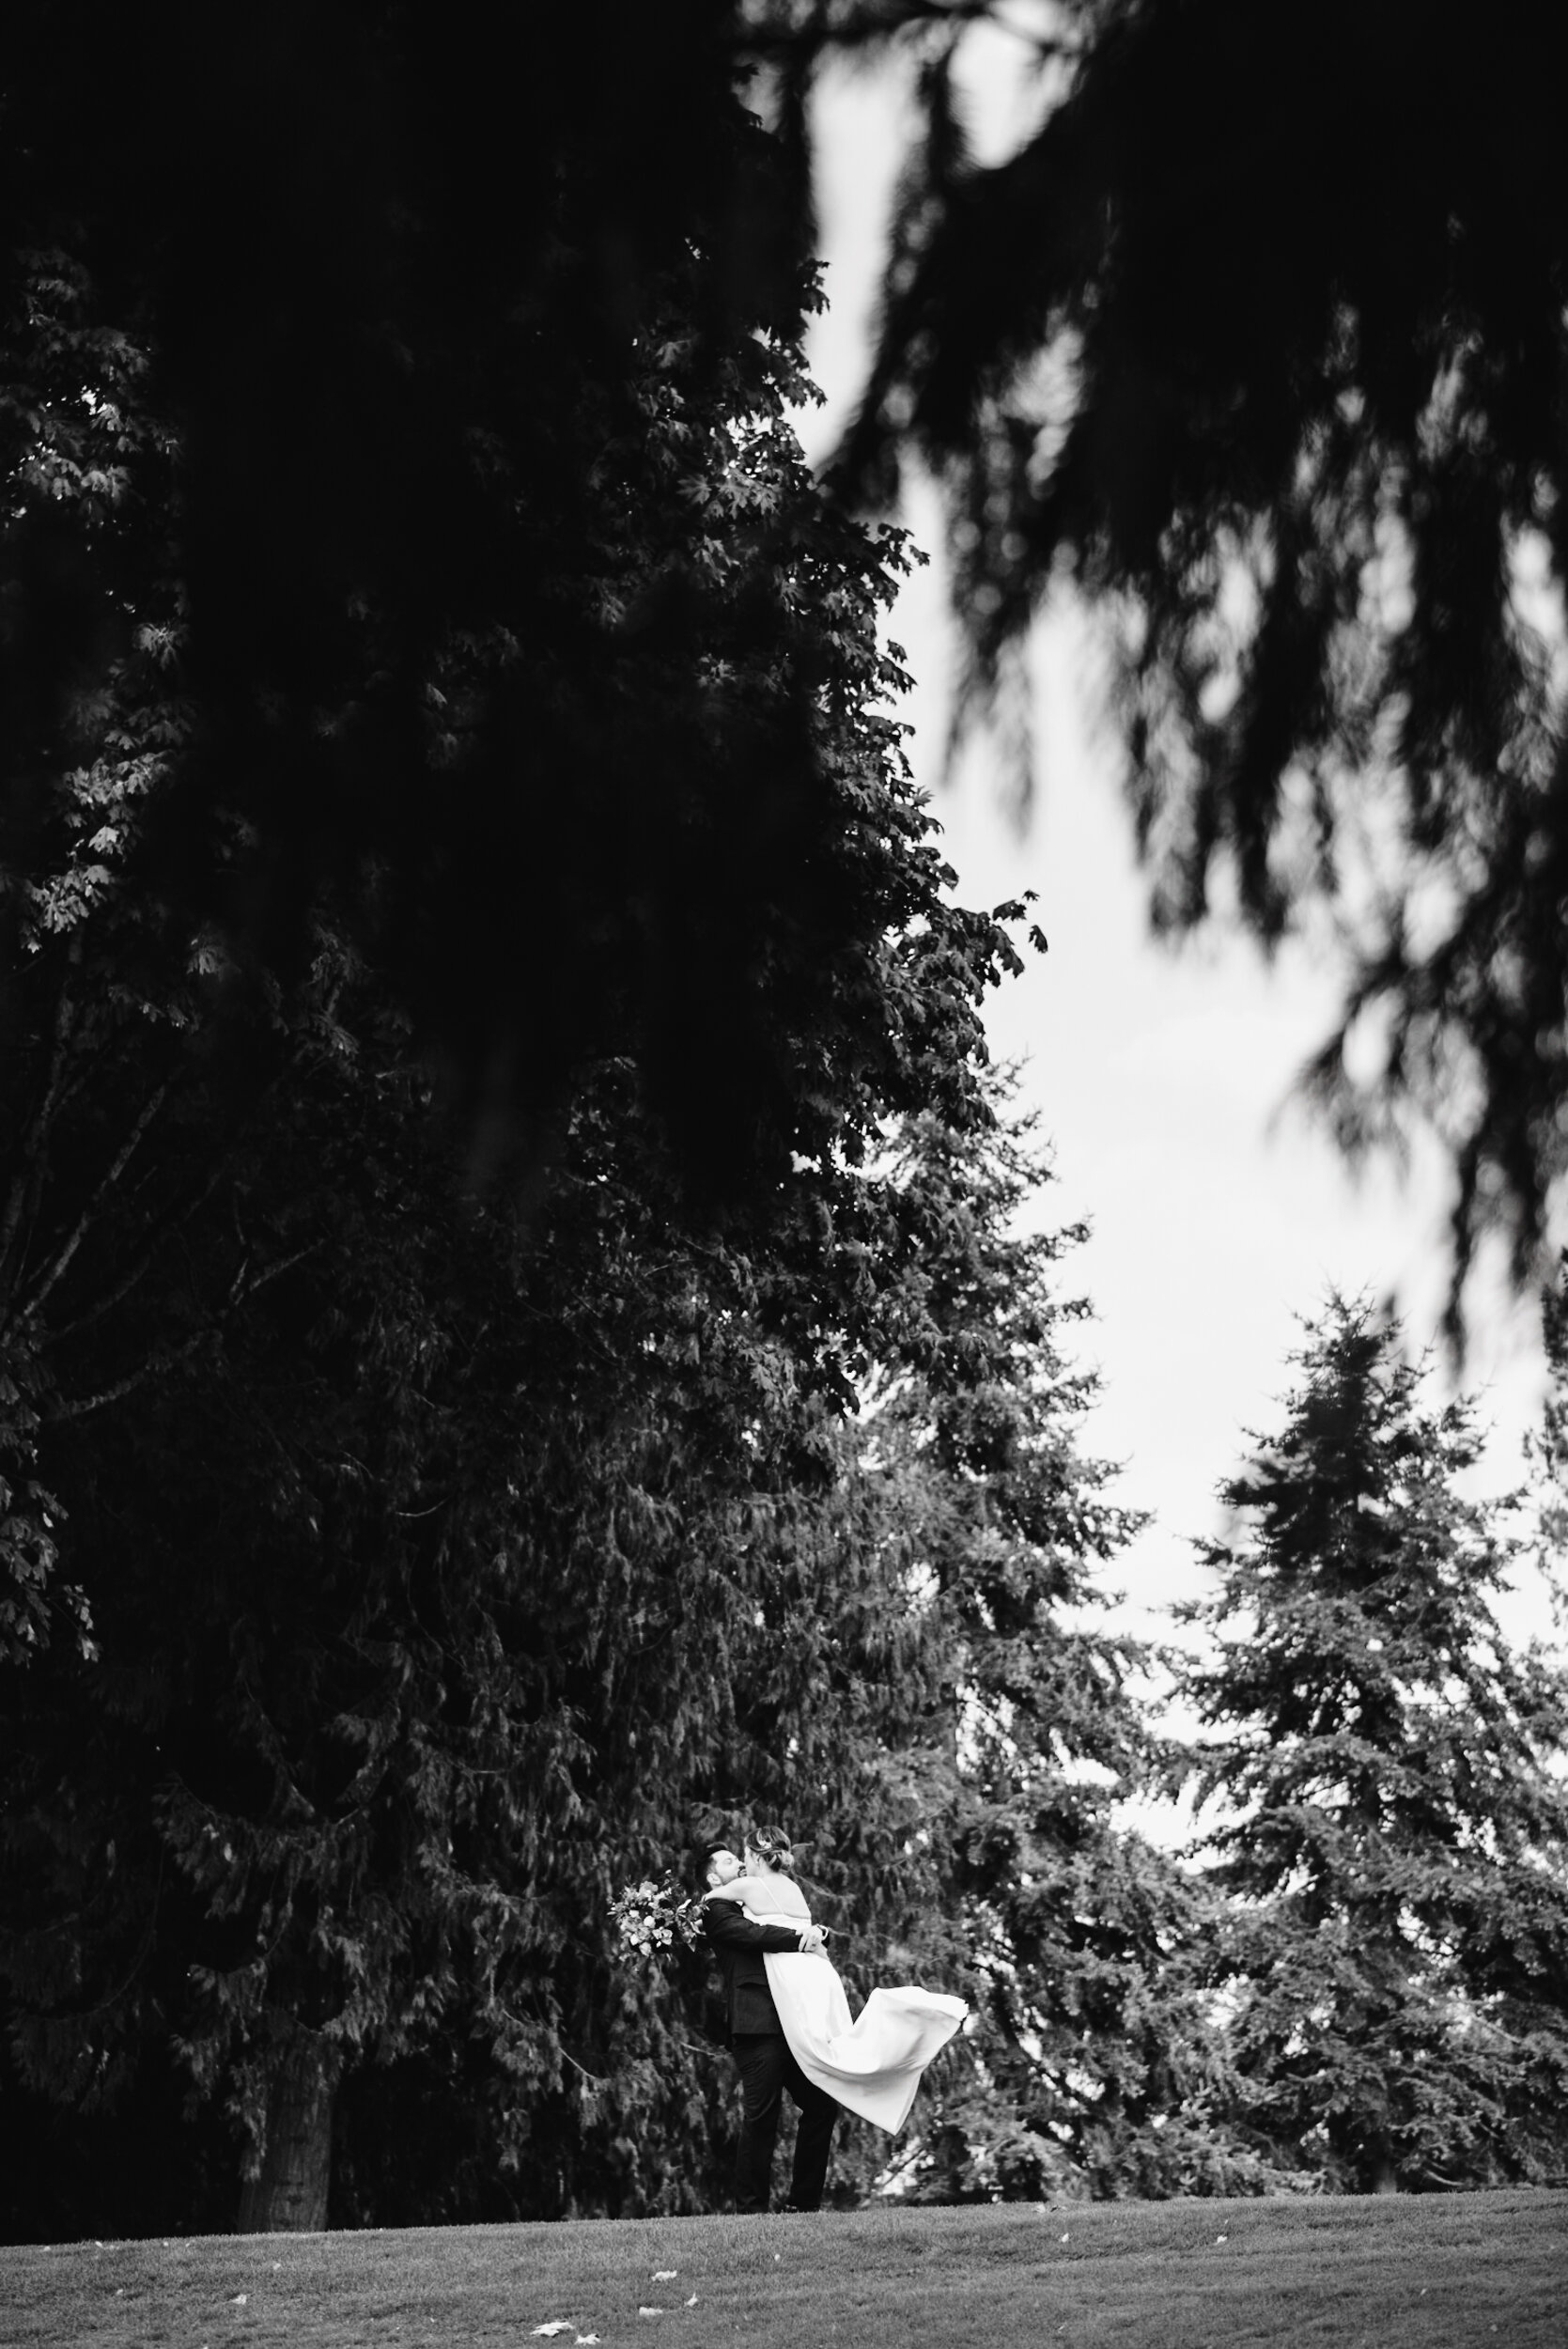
(1261, 347)
(1394, 1812)
(1263, 350)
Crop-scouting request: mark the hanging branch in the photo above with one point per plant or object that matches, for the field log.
(56, 1271)
(164, 1358)
(172, 1219)
(27, 1171)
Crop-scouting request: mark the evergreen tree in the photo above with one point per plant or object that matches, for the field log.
(497, 622)
(1092, 2069)
(418, 1527)
(116, 1001)
(959, 1777)
(429, 1597)
(1395, 1825)
(1548, 1450)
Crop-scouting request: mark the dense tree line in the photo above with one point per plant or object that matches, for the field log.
(524, 1325)
(412, 1559)
(427, 1619)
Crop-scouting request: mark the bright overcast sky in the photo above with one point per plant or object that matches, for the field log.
(1219, 1214)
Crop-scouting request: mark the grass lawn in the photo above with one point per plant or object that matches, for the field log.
(1436, 2272)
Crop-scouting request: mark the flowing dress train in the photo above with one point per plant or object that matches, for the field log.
(872, 2064)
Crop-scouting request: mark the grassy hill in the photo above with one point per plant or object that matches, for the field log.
(1432, 2273)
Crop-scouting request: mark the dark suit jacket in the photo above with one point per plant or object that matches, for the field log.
(739, 1946)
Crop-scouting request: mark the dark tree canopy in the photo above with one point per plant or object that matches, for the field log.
(428, 1535)
(1261, 342)
(447, 352)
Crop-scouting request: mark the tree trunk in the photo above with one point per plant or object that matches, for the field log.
(288, 2196)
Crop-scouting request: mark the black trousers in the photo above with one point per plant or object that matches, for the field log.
(766, 2069)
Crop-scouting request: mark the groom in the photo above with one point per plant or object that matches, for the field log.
(762, 2053)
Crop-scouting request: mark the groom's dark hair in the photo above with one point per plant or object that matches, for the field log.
(704, 1857)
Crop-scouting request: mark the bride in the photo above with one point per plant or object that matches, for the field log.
(872, 2064)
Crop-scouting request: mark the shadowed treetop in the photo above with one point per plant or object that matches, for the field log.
(1260, 342)
(447, 342)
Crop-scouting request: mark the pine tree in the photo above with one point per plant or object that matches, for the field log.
(1394, 1829)
(980, 1725)
(420, 1528)
(1548, 1450)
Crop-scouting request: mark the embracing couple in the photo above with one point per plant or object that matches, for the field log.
(789, 2021)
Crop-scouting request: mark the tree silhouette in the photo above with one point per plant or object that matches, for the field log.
(445, 353)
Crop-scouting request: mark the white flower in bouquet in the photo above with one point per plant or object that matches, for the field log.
(653, 1916)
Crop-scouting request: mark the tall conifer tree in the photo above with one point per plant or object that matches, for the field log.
(1394, 1833)
(417, 1524)
(993, 1728)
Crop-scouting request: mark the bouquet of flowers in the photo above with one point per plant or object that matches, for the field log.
(653, 1916)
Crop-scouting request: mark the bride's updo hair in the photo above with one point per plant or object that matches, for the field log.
(772, 1844)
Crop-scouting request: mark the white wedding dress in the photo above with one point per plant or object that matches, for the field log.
(872, 2064)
